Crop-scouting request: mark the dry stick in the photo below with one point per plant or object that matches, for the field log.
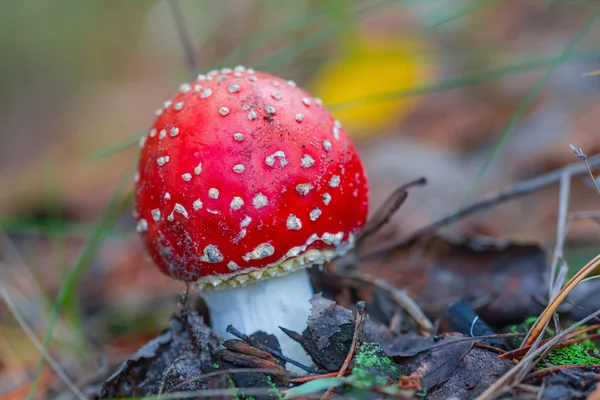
(31, 335)
(267, 371)
(581, 155)
(310, 378)
(492, 391)
(519, 189)
(184, 36)
(360, 314)
(541, 322)
(273, 352)
(397, 295)
(561, 233)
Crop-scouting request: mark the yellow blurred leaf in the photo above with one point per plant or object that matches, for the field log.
(373, 66)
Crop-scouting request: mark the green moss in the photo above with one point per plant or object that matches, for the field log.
(574, 354)
(372, 367)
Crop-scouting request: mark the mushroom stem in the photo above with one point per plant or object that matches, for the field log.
(264, 306)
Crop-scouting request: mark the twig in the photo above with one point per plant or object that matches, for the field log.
(31, 335)
(543, 319)
(387, 210)
(360, 314)
(269, 350)
(556, 284)
(517, 190)
(581, 155)
(495, 389)
(184, 36)
(398, 296)
(228, 371)
(309, 378)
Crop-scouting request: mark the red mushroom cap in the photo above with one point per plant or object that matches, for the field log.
(244, 173)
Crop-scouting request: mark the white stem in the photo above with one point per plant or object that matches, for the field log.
(264, 306)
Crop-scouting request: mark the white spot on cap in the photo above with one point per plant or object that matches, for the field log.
(212, 211)
(270, 160)
(142, 141)
(276, 95)
(331, 239)
(336, 133)
(212, 254)
(226, 70)
(198, 169)
(167, 104)
(178, 106)
(155, 214)
(304, 188)
(326, 198)
(299, 117)
(259, 201)
(355, 193)
(314, 214)
(239, 68)
(239, 168)
(293, 223)
(307, 161)
(223, 111)
(238, 74)
(152, 132)
(162, 160)
(238, 136)
(245, 222)
(232, 266)
(186, 177)
(274, 83)
(167, 196)
(327, 145)
(335, 181)
(291, 83)
(318, 101)
(270, 109)
(201, 77)
(142, 225)
(174, 131)
(136, 176)
(205, 93)
(253, 79)
(236, 203)
(252, 115)
(233, 88)
(246, 107)
(197, 204)
(184, 88)
(221, 78)
(250, 70)
(158, 112)
(180, 209)
(162, 134)
(261, 251)
(213, 193)
(197, 88)
(306, 101)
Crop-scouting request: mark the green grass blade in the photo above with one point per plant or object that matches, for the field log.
(524, 105)
(109, 216)
(462, 11)
(117, 147)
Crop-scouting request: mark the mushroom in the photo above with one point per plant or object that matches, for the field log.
(244, 181)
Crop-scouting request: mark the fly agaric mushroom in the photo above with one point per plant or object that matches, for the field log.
(245, 180)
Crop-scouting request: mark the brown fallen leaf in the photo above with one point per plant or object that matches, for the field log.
(438, 271)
